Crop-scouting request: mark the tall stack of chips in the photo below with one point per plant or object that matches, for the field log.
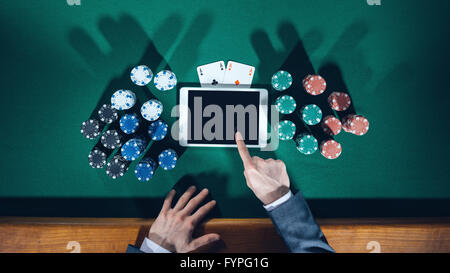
(133, 148)
(158, 130)
(123, 99)
(145, 169)
(107, 113)
(129, 123)
(151, 110)
(141, 75)
(314, 84)
(167, 159)
(91, 128)
(355, 124)
(281, 80)
(311, 114)
(165, 80)
(306, 144)
(97, 158)
(116, 167)
(286, 129)
(111, 139)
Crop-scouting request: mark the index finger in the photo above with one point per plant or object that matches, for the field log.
(243, 151)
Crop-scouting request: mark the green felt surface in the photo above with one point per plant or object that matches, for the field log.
(59, 61)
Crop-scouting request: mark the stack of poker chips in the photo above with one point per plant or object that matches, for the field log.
(123, 99)
(145, 169)
(116, 167)
(91, 128)
(129, 123)
(158, 130)
(167, 159)
(133, 148)
(311, 115)
(151, 110)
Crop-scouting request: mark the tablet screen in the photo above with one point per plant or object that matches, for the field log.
(215, 115)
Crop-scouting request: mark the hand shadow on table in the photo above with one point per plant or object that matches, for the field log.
(128, 40)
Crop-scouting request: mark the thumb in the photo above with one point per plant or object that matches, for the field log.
(204, 240)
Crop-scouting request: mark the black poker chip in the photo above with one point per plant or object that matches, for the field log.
(111, 139)
(90, 128)
(116, 167)
(107, 114)
(97, 158)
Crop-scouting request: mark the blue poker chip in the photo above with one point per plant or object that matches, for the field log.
(133, 148)
(129, 123)
(145, 169)
(158, 130)
(167, 159)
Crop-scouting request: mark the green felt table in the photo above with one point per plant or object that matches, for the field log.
(60, 62)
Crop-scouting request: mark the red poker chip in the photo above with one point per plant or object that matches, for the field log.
(314, 84)
(356, 124)
(331, 125)
(330, 149)
(339, 101)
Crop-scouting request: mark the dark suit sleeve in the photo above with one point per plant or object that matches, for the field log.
(294, 222)
(133, 249)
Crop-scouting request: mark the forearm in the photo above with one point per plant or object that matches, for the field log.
(295, 223)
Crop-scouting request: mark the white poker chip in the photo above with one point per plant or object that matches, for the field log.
(123, 99)
(165, 80)
(141, 75)
(151, 110)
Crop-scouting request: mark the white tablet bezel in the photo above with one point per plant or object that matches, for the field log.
(183, 116)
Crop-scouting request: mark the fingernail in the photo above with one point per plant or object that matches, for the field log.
(239, 136)
(192, 187)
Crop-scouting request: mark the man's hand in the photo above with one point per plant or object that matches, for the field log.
(173, 227)
(267, 179)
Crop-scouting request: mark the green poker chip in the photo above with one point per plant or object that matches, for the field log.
(286, 129)
(311, 114)
(285, 104)
(307, 144)
(281, 80)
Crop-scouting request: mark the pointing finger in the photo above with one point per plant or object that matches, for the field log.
(243, 151)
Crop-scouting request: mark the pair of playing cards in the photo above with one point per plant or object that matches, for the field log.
(217, 75)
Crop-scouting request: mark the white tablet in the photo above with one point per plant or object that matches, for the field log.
(209, 117)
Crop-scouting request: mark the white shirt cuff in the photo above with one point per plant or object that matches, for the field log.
(278, 202)
(148, 246)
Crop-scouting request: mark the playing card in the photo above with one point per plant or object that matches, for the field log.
(238, 74)
(211, 75)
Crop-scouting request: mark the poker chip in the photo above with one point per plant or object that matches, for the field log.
(123, 99)
(285, 104)
(108, 114)
(116, 167)
(157, 130)
(307, 144)
(286, 129)
(331, 125)
(167, 159)
(141, 75)
(145, 169)
(165, 80)
(330, 149)
(129, 123)
(311, 114)
(133, 148)
(314, 84)
(339, 101)
(151, 110)
(111, 139)
(97, 158)
(281, 80)
(355, 124)
(90, 128)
